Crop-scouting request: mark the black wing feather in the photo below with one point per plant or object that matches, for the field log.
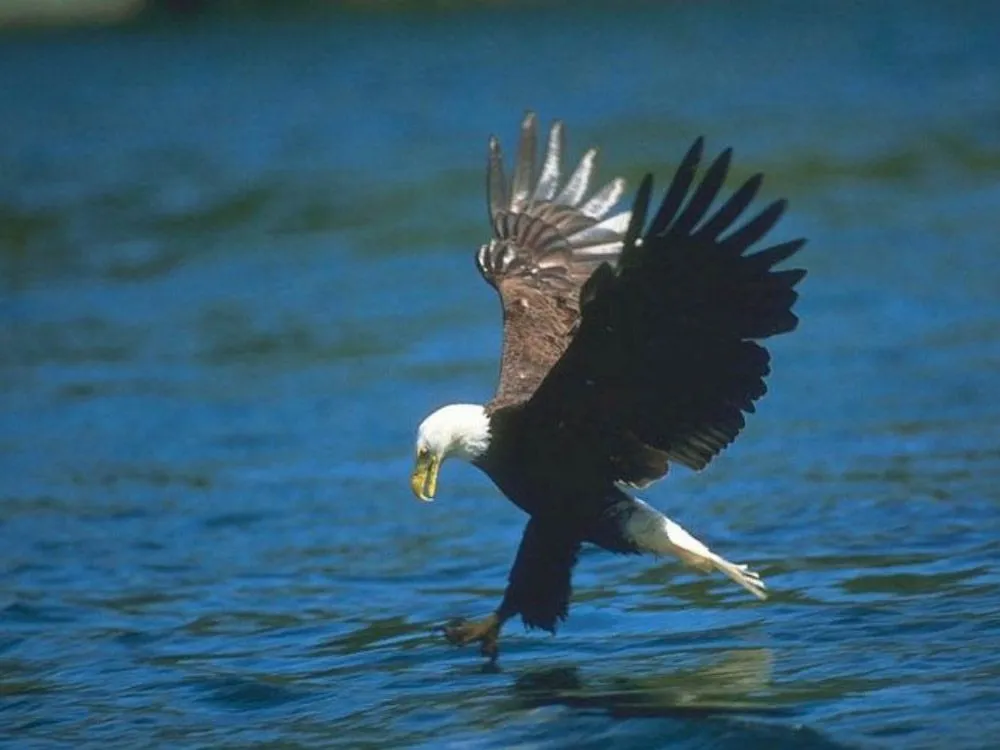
(667, 349)
(739, 241)
(772, 256)
(732, 209)
(704, 195)
(678, 189)
(631, 252)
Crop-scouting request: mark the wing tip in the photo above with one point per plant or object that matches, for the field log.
(637, 219)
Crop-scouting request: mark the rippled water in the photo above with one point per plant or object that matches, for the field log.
(237, 270)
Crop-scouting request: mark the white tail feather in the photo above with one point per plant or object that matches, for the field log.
(654, 532)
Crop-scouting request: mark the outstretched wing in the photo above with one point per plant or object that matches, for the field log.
(548, 238)
(667, 358)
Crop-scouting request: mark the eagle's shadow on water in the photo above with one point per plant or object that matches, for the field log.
(720, 702)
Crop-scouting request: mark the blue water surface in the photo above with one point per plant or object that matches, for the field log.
(236, 270)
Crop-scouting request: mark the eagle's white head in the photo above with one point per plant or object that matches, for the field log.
(461, 430)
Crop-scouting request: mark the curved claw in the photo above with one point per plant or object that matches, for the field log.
(488, 647)
(455, 630)
(460, 632)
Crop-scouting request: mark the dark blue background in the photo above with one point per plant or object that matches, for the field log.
(236, 270)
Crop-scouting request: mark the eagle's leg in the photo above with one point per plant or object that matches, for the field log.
(485, 631)
(538, 589)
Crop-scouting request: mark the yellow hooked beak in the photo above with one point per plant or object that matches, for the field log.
(425, 475)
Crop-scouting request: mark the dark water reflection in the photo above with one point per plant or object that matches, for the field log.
(236, 270)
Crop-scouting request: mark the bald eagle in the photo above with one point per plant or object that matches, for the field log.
(627, 346)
